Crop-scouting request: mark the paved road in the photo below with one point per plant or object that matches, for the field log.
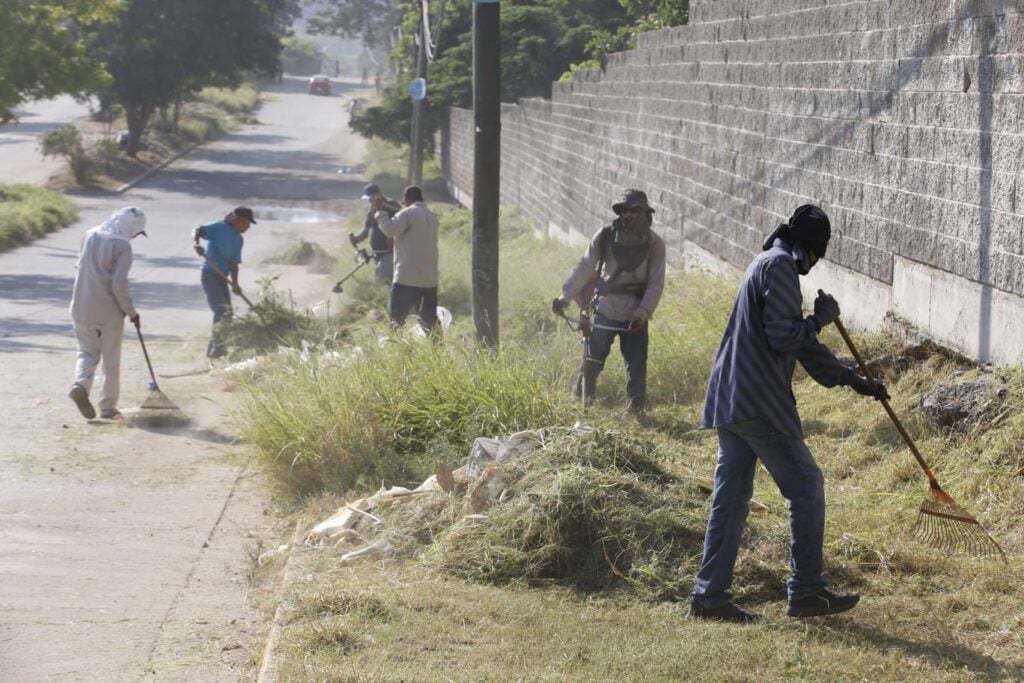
(19, 142)
(122, 550)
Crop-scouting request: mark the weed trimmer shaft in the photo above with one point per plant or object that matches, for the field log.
(362, 257)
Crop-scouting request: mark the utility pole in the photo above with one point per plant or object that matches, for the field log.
(416, 136)
(486, 166)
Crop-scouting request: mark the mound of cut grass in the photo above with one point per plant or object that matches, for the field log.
(303, 253)
(590, 511)
(28, 212)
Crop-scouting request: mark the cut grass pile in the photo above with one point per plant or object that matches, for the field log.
(28, 212)
(273, 322)
(304, 253)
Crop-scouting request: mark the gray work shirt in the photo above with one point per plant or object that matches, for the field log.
(414, 230)
(767, 334)
(621, 306)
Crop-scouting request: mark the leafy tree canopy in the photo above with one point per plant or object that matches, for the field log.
(40, 52)
(540, 40)
(157, 51)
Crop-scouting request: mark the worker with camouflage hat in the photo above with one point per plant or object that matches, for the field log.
(618, 282)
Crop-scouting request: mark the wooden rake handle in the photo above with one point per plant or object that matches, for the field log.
(227, 280)
(933, 482)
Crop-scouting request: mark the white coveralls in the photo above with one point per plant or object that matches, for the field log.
(101, 300)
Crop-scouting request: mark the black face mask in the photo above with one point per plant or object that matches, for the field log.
(635, 224)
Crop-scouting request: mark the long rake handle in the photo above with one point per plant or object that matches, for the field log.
(885, 404)
(225, 278)
(146, 354)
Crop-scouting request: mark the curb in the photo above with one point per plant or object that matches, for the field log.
(164, 164)
(268, 663)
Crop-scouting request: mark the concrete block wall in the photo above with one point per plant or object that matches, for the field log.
(904, 119)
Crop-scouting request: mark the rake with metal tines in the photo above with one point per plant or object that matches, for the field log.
(941, 523)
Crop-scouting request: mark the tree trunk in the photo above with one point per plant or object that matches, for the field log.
(138, 117)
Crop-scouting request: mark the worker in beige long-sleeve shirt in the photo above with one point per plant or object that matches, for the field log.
(414, 283)
(100, 302)
(621, 276)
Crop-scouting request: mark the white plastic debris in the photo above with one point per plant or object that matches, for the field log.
(381, 546)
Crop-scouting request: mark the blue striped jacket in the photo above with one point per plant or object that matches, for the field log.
(767, 334)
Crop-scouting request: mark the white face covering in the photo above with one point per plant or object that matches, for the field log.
(123, 224)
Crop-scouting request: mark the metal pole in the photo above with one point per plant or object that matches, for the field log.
(486, 166)
(416, 142)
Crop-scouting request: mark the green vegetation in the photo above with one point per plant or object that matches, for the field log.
(582, 569)
(540, 40)
(66, 141)
(28, 212)
(240, 100)
(41, 55)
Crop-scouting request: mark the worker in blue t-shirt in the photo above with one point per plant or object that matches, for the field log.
(221, 258)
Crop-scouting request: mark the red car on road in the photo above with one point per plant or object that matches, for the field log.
(319, 85)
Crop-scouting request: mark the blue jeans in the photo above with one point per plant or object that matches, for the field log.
(791, 465)
(405, 299)
(596, 348)
(218, 297)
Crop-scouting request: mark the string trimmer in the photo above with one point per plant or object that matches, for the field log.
(362, 258)
(941, 523)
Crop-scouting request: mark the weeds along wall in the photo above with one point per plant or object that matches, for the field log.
(904, 119)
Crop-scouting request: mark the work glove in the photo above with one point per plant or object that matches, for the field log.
(636, 325)
(353, 240)
(134, 320)
(862, 386)
(558, 305)
(826, 310)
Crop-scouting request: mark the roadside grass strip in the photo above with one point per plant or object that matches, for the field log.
(579, 563)
(28, 212)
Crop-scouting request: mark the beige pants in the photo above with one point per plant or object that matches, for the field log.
(98, 342)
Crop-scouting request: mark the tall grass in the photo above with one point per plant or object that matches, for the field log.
(28, 212)
(238, 100)
(392, 409)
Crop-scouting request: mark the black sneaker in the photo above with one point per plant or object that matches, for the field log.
(821, 603)
(80, 396)
(726, 612)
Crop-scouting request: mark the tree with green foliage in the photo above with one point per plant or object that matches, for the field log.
(156, 51)
(41, 54)
(540, 40)
(372, 20)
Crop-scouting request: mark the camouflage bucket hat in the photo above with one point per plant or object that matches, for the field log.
(632, 199)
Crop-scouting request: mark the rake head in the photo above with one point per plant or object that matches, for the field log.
(943, 524)
(157, 401)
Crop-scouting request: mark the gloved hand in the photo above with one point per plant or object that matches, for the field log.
(558, 305)
(875, 390)
(352, 239)
(826, 310)
(636, 325)
(134, 320)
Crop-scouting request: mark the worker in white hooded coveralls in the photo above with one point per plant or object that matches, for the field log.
(99, 304)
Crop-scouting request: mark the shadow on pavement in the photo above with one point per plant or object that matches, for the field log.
(267, 185)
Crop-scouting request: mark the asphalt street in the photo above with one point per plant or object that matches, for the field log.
(123, 550)
(19, 140)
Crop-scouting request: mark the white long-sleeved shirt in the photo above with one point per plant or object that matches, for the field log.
(101, 292)
(414, 230)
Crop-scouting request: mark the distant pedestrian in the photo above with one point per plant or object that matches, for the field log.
(619, 281)
(750, 403)
(100, 301)
(219, 272)
(381, 244)
(414, 284)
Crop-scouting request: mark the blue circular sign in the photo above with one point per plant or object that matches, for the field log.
(418, 89)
